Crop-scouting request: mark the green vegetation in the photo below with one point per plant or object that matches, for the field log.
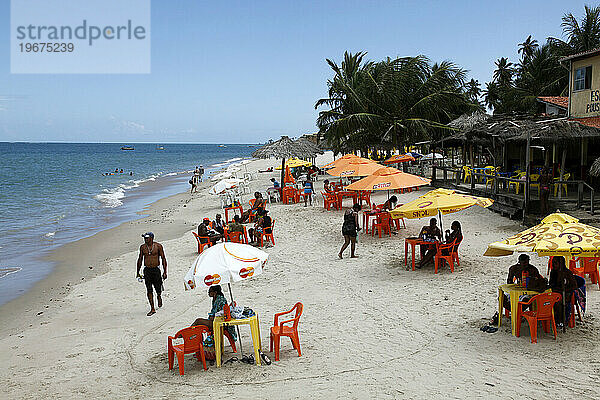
(514, 87)
(392, 103)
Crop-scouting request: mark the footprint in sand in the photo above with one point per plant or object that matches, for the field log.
(97, 349)
(73, 355)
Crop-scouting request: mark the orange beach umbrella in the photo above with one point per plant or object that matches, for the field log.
(398, 158)
(342, 160)
(388, 178)
(288, 178)
(359, 167)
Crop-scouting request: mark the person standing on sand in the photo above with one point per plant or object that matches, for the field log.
(150, 252)
(350, 230)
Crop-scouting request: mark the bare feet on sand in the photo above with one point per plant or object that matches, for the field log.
(340, 255)
(159, 302)
(152, 312)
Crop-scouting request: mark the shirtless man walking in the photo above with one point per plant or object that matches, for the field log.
(149, 254)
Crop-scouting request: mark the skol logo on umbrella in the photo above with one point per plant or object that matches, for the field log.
(246, 272)
(382, 185)
(344, 173)
(212, 279)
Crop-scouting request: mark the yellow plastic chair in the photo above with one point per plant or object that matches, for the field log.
(517, 185)
(467, 173)
(490, 175)
(564, 185)
(535, 178)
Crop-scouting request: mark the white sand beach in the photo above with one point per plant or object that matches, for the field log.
(370, 328)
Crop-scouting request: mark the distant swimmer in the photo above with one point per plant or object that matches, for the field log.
(121, 171)
(131, 173)
(151, 253)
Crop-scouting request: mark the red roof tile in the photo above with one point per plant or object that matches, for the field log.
(560, 101)
(583, 54)
(593, 122)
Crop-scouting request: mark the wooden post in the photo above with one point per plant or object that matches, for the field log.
(562, 170)
(527, 176)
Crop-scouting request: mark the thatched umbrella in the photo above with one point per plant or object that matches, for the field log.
(287, 148)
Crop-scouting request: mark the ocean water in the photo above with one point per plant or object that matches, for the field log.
(54, 193)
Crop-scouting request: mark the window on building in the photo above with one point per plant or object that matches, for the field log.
(583, 78)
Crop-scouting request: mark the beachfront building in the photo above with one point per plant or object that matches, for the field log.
(503, 155)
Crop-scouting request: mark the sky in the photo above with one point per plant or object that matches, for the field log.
(247, 71)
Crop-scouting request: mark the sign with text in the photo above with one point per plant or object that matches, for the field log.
(80, 37)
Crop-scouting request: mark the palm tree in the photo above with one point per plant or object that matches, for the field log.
(581, 36)
(473, 91)
(390, 103)
(527, 48)
(504, 72)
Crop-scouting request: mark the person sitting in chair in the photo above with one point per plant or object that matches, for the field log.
(429, 233)
(262, 224)
(218, 224)
(235, 225)
(259, 202)
(390, 204)
(218, 302)
(205, 231)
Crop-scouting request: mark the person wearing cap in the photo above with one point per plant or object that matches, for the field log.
(205, 231)
(151, 254)
(516, 271)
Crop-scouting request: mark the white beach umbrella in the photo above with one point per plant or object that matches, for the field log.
(222, 175)
(224, 185)
(225, 263)
(431, 156)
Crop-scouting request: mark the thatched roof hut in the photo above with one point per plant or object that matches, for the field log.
(287, 148)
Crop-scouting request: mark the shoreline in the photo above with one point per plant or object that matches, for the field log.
(72, 261)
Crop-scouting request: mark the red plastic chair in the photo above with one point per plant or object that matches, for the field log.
(455, 253)
(192, 343)
(280, 329)
(382, 224)
(234, 237)
(289, 195)
(201, 245)
(268, 236)
(590, 267)
(329, 200)
(450, 250)
(542, 312)
(366, 196)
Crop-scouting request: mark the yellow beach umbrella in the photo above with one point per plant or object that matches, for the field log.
(360, 167)
(558, 235)
(296, 162)
(442, 201)
(388, 179)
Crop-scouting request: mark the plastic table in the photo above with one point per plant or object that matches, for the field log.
(227, 209)
(514, 291)
(219, 323)
(413, 242)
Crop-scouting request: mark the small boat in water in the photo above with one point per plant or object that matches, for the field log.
(159, 147)
(127, 148)
(222, 145)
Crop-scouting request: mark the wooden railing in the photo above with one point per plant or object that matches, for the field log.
(502, 184)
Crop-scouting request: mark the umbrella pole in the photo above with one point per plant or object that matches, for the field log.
(441, 227)
(237, 326)
(283, 172)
